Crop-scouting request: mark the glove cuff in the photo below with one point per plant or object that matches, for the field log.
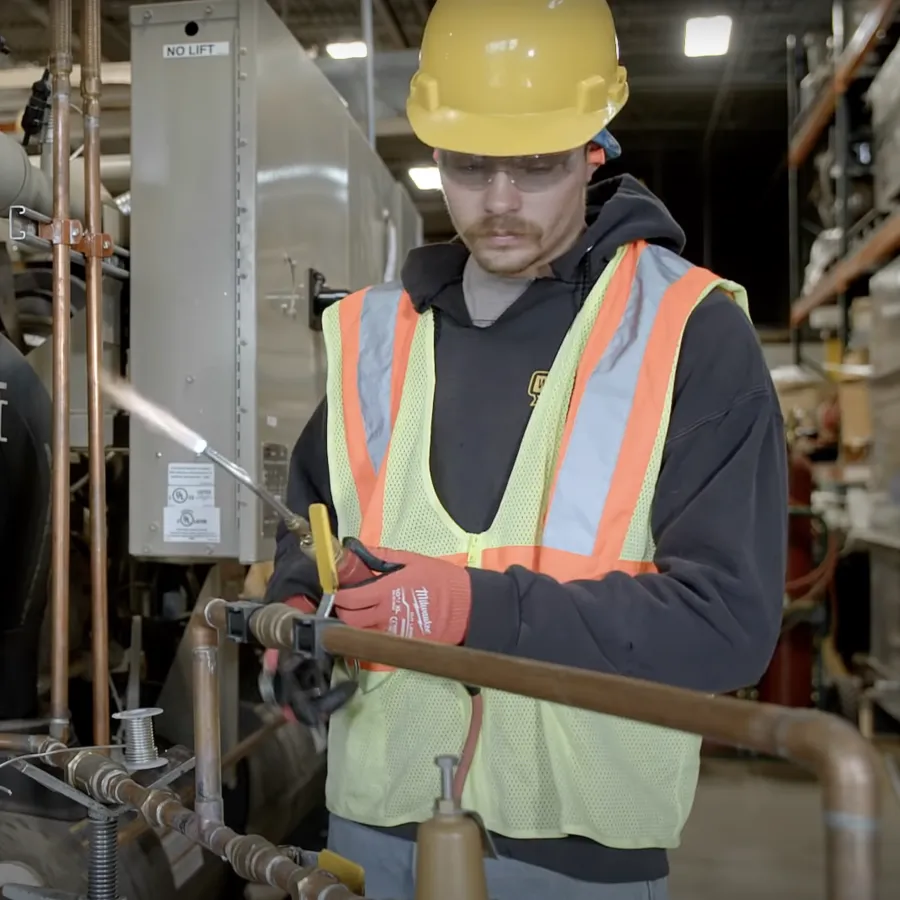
(459, 607)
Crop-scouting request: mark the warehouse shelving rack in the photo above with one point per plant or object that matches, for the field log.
(875, 238)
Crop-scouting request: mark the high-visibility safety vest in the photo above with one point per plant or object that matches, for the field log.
(577, 506)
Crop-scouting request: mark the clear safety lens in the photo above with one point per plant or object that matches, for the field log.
(527, 173)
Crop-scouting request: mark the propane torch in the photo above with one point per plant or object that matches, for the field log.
(349, 567)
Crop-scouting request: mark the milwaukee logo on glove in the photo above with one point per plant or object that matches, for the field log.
(404, 609)
(429, 599)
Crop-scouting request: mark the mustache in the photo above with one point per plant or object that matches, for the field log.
(493, 226)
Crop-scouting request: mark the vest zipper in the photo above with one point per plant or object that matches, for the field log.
(473, 553)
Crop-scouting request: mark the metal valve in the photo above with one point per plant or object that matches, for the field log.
(447, 765)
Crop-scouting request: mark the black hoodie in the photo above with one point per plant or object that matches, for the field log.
(710, 618)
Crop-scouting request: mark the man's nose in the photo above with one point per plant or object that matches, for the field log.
(502, 196)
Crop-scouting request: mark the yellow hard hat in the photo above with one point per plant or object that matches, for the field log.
(516, 77)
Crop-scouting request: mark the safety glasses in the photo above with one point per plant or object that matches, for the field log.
(528, 173)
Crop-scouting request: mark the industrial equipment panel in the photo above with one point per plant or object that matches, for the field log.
(248, 175)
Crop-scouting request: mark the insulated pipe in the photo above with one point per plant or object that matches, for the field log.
(207, 727)
(842, 760)
(60, 69)
(23, 183)
(20, 183)
(90, 93)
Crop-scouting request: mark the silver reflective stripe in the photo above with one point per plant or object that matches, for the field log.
(586, 473)
(377, 327)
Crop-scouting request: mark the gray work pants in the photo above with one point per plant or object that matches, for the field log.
(390, 865)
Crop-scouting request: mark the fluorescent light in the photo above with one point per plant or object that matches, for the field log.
(347, 50)
(707, 36)
(426, 178)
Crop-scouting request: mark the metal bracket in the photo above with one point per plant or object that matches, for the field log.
(307, 635)
(237, 620)
(95, 245)
(16, 232)
(69, 232)
(33, 230)
(61, 787)
(112, 812)
(489, 848)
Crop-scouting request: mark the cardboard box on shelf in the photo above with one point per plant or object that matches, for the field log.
(856, 414)
(800, 391)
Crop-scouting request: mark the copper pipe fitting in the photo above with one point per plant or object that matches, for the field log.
(30, 743)
(207, 728)
(252, 857)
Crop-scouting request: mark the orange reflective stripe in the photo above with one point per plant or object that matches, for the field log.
(648, 407)
(383, 386)
(558, 564)
(615, 302)
(349, 315)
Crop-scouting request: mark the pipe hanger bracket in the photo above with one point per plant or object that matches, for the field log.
(68, 232)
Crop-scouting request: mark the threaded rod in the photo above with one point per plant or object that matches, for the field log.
(103, 872)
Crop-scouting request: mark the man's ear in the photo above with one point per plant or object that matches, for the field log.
(596, 157)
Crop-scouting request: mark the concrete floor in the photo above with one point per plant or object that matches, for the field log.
(756, 832)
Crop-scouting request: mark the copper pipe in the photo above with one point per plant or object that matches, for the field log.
(207, 729)
(90, 93)
(252, 857)
(28, 743)
(60, 70)
(842, 760)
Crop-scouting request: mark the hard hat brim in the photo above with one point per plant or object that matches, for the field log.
(506, 135)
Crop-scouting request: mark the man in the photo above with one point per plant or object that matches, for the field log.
(568, 438)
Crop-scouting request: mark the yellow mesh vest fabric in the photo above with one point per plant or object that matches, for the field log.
(540, 770)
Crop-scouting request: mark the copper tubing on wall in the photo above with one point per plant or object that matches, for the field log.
(842, 760)
(90, 92)
(252, 857)
(60, 70)
(28, 743)
(207, 729)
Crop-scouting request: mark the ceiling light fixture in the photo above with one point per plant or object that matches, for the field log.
(347, 50)
(425, 178)
(707, 36)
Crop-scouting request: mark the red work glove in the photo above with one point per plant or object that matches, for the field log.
(427, 598)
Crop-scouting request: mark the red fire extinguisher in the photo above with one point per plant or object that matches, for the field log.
(789, 678)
